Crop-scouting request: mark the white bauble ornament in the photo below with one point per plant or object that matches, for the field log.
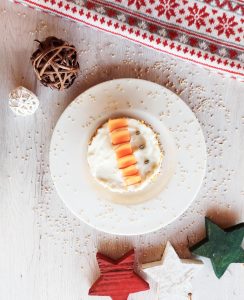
(23, 102)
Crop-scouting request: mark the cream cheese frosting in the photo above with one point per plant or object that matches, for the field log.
(103, 162)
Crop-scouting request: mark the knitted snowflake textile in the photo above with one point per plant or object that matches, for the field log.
(207, 32)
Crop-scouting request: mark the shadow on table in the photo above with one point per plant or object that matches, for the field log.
(115, 248)
(223, 217)
(124, 70)
(102, 73)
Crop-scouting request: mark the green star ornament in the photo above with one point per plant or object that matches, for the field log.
(223, 247)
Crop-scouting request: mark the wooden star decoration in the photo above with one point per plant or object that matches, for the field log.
(117, 278)
(172, 275)
(223, 247)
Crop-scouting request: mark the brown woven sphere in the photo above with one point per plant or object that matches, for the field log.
(55, 63)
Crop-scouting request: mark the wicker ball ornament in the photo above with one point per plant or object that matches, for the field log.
(55, 63)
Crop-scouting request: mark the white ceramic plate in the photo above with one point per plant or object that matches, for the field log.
(183, 166)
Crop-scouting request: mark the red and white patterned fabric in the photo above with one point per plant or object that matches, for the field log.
(206, 32)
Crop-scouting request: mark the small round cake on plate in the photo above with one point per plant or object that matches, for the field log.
(124, 155)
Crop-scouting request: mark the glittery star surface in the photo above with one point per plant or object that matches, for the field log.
(172, 274)
(223, 247)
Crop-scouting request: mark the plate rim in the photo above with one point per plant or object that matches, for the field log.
(160, 226)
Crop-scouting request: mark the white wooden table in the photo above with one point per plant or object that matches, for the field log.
(45, 252)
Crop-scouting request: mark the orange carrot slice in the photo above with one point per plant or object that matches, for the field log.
(130, 180)
(120, 136)
(123, 150)
(126, 161)
(117, 123)
(130, 171)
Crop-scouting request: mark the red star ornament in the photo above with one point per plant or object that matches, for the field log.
(117, 278)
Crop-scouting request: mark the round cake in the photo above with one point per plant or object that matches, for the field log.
(124, 155)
